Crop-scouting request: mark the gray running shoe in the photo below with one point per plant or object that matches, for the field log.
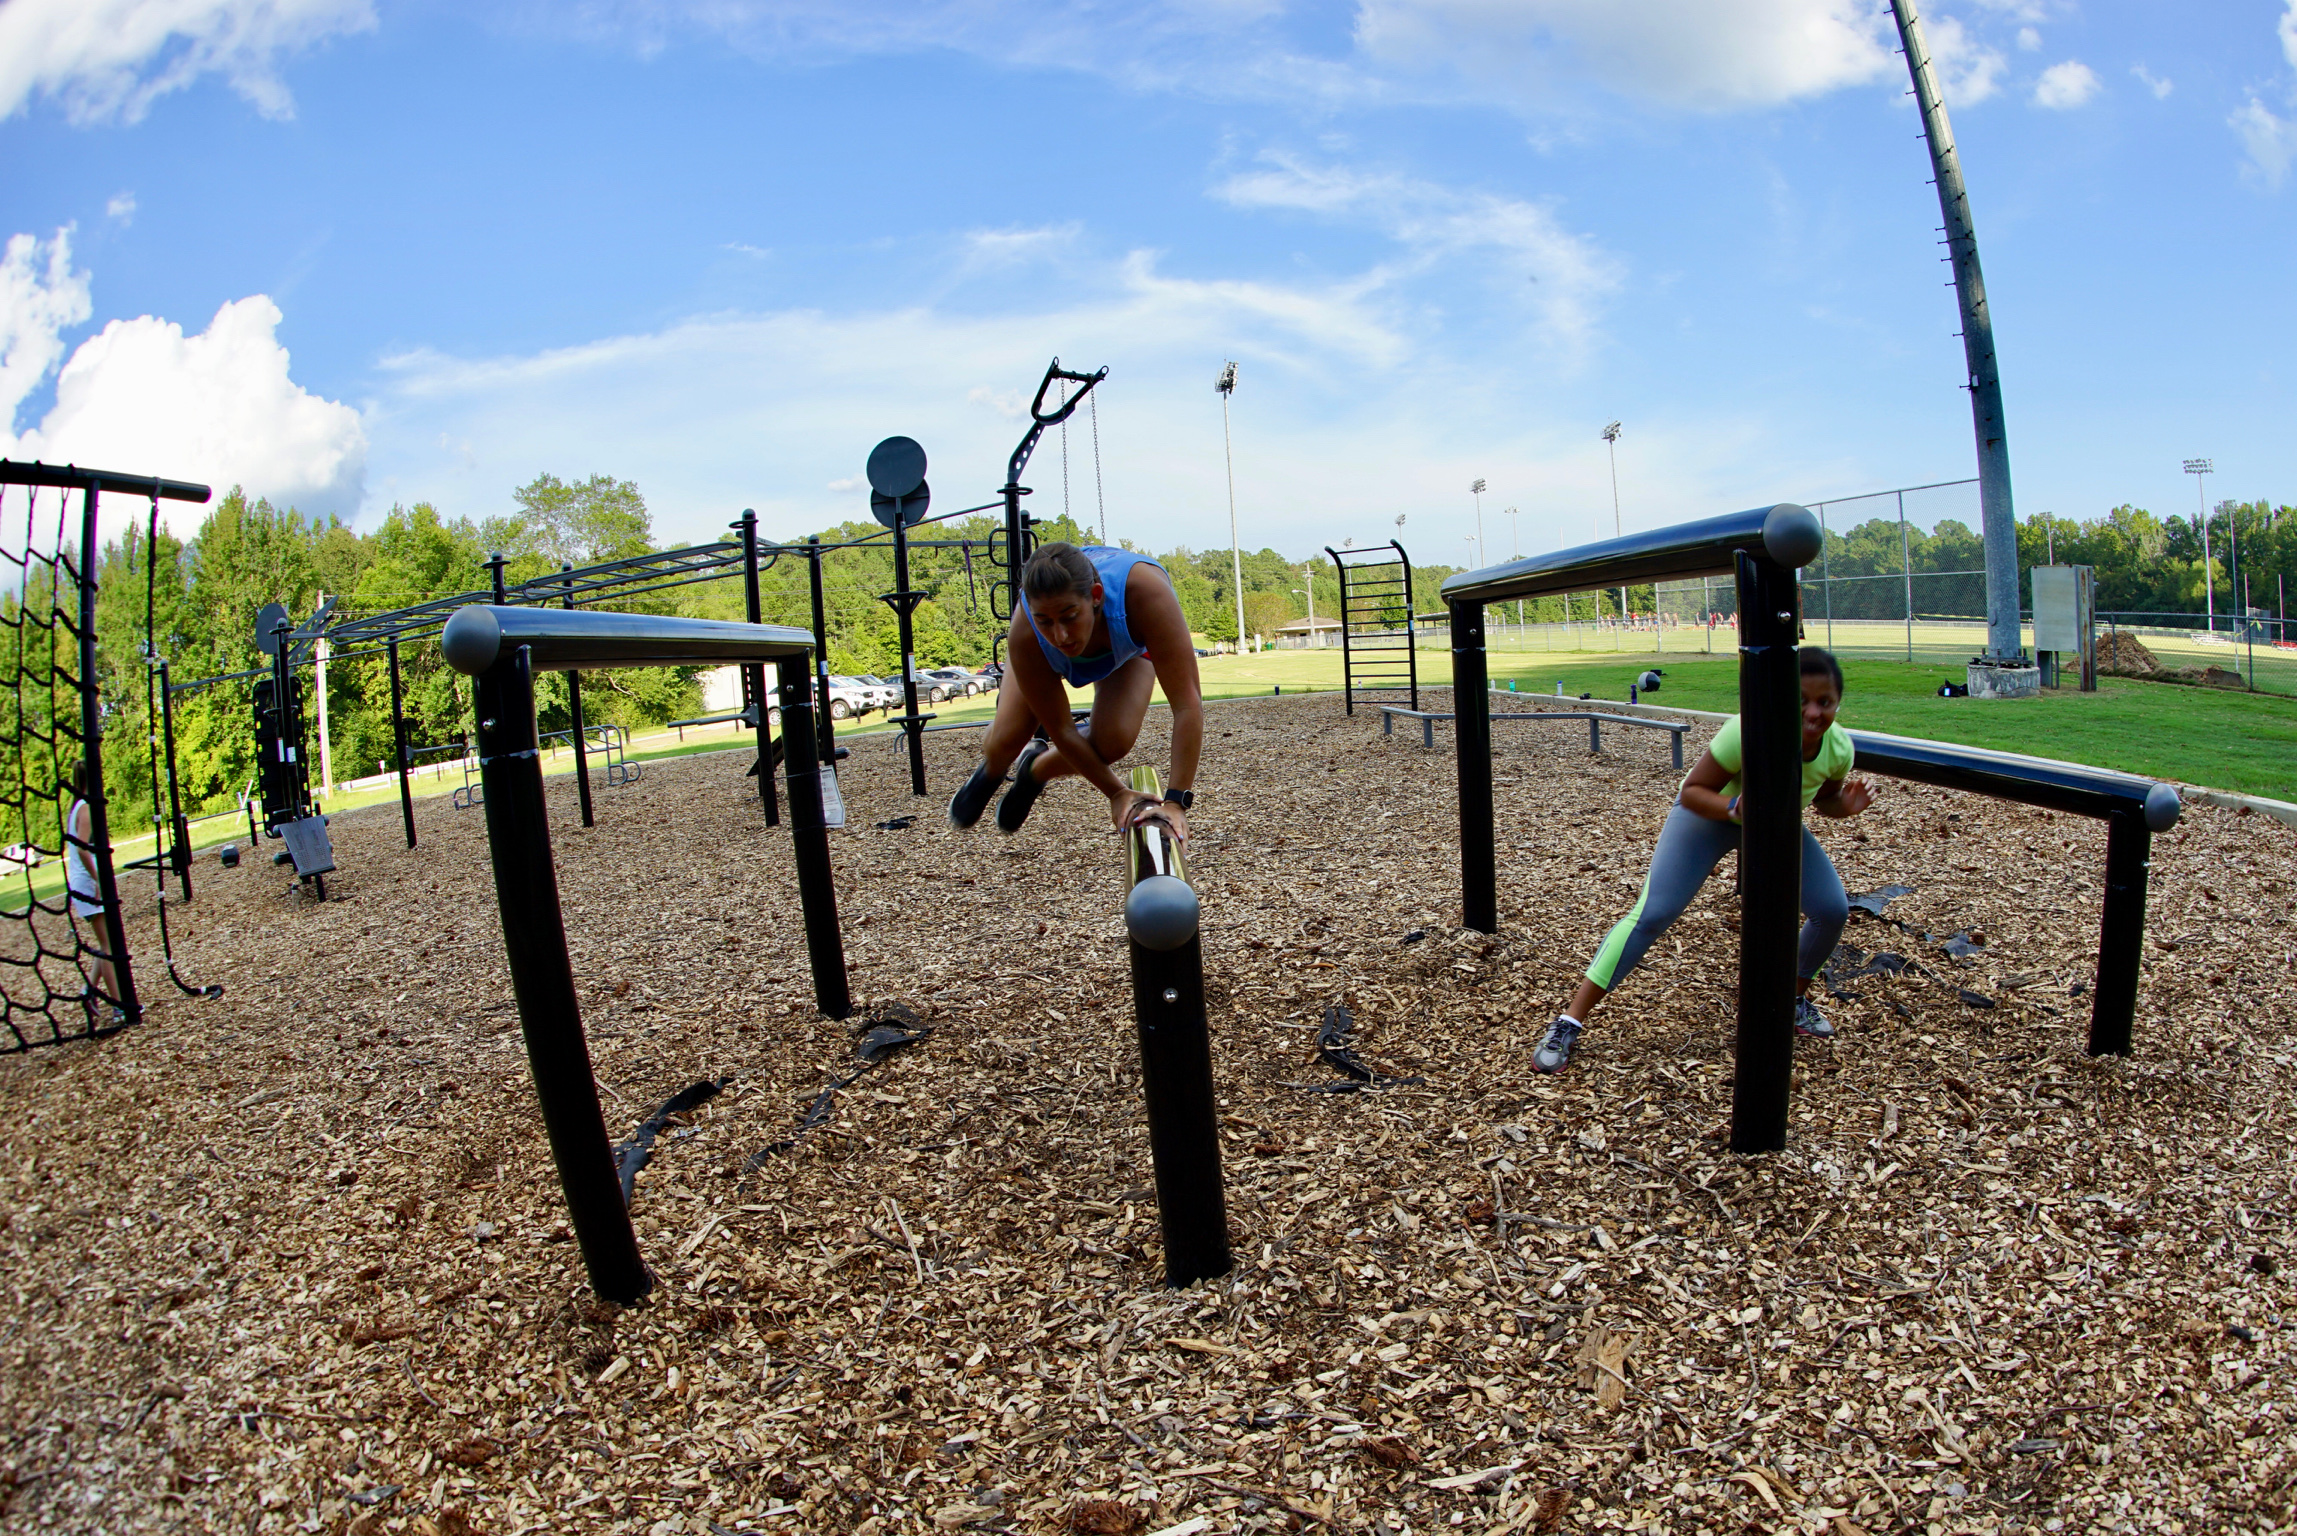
(1554, 1052)
(972, 797)
(1014, 808)
(1809, 1021)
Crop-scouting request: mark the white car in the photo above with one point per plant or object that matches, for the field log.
(25, 855)
(850, 696)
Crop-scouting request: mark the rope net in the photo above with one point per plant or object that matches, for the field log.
(64, 973)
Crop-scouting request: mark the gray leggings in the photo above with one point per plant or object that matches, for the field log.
(1690, 846)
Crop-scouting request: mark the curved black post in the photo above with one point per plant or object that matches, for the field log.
(400, 749)
(1471, 730)
(2121, 933)
(1347, 677)
(904, 602)
(827, 743)
(754, 676)
(1176, 1053)
(92, 749)
(574, 706)
(179, 830)
(809, 839)
(1770, 859)
(542, 979)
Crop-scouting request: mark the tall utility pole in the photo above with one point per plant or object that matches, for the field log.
(1476, 490)
(1611, 441)
(1226, 384)
(1999, 520)
(1515, 552)
(2200, 469)
(2233, 578)
(1310, 594)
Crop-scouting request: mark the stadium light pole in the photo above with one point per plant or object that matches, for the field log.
(1476, 490)
(1226, 384)
(1611, 441)
(2201, 470)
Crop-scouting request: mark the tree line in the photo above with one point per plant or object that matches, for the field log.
(205, 592)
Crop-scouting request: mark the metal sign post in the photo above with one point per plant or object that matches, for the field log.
(898, 498)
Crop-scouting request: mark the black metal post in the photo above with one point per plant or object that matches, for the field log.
(495, 564)
(754, 675)
(92, 751)
(1347, 677)
(1471, 737)
(1176, 1059)
(574, 705)
(809, 841)
(542, 978)
(179, 830)
(1411, 637)
(404, 753)
(904, 602)
(828, 735)
(1770, 858)
(2121, 933)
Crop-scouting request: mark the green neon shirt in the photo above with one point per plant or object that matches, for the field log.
(1835, 755)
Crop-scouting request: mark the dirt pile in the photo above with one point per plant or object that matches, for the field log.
(2124, 655)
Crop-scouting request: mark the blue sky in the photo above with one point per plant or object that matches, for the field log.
(350, 254)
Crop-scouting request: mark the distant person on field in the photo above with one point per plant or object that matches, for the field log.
(1108, 619)
(1702, 827)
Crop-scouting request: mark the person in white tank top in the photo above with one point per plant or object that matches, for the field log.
(83, 890)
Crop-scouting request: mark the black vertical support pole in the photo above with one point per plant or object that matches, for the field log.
(92, 750)
(400, 749)
(809, 840)
(179, 830)
(1770, 862)
(1347, 673)
(1411, 628)
(827, 733)
(1471, 735)
(2121, 933)
(1176, 1071)
(1015, 554)
(754, 675)
(494, 569)
(911, 725)
(574, 707)
(542, 979)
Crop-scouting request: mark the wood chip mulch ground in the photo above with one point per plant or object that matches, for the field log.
(295, 1259)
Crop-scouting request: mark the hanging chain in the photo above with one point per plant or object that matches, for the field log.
(1093, 403)
(1064, 450)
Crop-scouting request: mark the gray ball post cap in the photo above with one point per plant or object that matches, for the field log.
(2162, 808)
(1160, 913)
(896, 467)
(472, 640)
(1792, 536)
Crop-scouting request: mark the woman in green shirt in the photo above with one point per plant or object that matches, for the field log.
(1702, 827)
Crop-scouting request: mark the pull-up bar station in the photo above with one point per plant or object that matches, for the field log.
(502, 648)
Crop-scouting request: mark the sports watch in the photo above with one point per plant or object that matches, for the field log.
(1180, 797)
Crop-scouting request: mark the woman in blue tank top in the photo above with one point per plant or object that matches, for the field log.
(1100, 618)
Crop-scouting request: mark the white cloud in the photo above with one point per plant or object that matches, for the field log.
(1567, 274)
(1717, 55)
(41, 297)
(2066, 86)
(122, 208)
(2271, 143)
(2288, 30)
(2146, 77)
(2029, 40)
(1968, 71)
(142, 397)
(109, 60)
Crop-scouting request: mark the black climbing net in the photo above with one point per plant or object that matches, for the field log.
(64, 972)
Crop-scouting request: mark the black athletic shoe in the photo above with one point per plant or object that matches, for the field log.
(1014, 808)
(972, 798)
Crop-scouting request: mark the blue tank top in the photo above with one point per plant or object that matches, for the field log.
(1113, 566)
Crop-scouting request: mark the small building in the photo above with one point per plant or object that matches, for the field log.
(1308, 634)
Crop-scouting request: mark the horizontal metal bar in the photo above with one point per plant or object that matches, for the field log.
(72, 477)
(559, 640)
(2075, 788)
(1789, 535)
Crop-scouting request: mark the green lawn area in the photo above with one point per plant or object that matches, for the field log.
(2225, 740)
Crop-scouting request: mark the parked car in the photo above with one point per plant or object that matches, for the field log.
(850, 696)
(954, 682)
(887, 690)
(24, 854)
